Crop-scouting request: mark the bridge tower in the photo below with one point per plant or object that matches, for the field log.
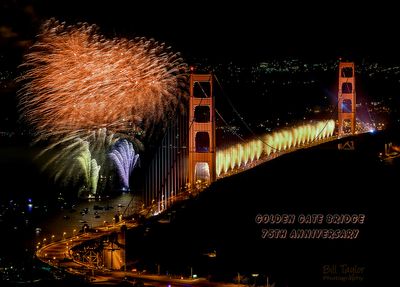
(201, 130)
(346, 99)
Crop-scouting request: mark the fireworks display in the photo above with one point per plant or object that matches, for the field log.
(124, 158)
(90, 170)
(272, 144)
(77, 160)
(77, 80)
(80, 89)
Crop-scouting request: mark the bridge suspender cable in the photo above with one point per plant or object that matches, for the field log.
(220, 116)
(248, 127)
(231, 130)
(240, 117)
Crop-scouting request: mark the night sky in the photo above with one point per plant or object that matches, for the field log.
(208, 32)
(244, 32)
(247, 32)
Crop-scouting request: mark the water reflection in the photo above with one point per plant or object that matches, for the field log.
(68, 222)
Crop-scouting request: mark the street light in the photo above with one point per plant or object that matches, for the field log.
(64, 233)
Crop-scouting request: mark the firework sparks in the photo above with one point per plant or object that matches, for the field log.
(90, 170)
(77, 160)
(242, 154)
(124, 158)
(77, 80)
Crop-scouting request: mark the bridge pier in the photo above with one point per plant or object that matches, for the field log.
(114, 251)
(107, 251)
(347, 145)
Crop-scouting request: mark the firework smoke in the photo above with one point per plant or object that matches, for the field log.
(124, 158)
(77, 80)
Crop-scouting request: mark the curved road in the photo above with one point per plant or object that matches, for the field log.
(58, 254)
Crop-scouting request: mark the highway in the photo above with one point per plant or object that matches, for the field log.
(59, 254)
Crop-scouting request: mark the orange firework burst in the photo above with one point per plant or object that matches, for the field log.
(77, 80)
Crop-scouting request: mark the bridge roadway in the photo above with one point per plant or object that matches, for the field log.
(276, 154)
(58, 253)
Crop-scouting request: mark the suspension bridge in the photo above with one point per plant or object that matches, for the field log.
(189, 158)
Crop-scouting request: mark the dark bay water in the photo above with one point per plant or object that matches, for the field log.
(215, 235)
(31, 211)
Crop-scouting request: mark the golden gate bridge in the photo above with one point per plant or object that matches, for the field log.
(187, 160)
